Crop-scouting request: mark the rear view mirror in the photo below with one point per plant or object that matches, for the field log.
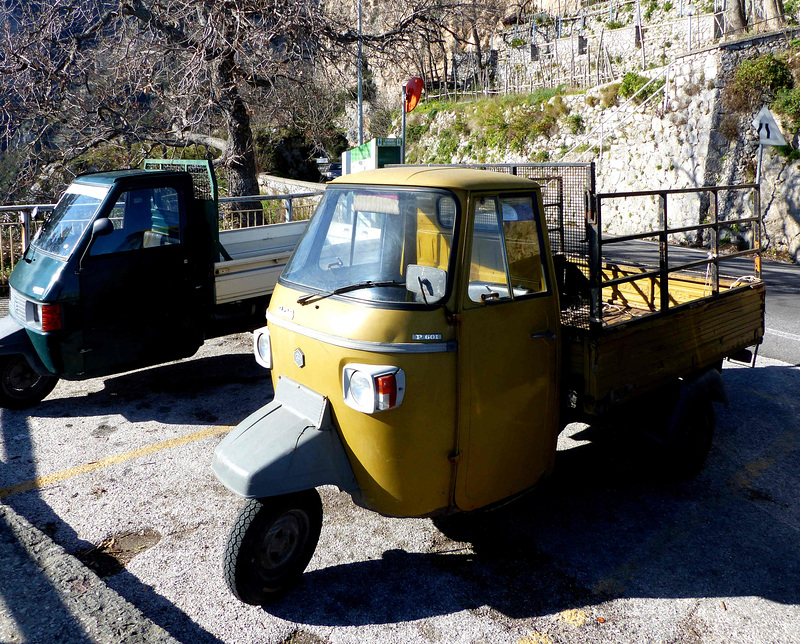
(427, 281)
(102, 226)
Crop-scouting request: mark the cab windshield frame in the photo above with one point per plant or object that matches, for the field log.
(369, 235)
(64, 229)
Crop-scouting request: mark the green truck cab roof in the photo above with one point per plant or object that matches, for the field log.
(115, 176)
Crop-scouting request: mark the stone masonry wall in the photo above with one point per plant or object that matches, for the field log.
(675, 143)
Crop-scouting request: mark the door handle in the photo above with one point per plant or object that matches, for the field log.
(547, 335)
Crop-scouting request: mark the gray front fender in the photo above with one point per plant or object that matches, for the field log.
(287, 446)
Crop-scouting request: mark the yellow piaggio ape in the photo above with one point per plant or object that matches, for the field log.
(414, 340)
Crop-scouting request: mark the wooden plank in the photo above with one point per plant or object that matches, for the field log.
(623, 360)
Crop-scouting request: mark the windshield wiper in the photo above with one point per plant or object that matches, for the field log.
(313, 297)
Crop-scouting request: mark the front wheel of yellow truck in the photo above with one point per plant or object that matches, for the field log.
(270, 545)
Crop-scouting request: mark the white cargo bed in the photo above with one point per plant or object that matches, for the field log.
(258, 255)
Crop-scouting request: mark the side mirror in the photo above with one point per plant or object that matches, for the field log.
(101, 227)
(427, 281)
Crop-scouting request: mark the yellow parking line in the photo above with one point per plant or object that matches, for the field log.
(41, 481)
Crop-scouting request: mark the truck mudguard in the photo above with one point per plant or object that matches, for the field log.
(14, 340)
(286, 446)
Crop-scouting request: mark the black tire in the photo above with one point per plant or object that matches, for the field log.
(20, 386)
(270, 545)
(688, 451)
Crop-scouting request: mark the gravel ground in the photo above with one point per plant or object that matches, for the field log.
(602, 552)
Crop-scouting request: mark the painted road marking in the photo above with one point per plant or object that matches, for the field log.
(783, 334)
(41, 481)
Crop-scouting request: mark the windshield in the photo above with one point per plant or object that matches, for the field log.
(361, 243)
(65, 226)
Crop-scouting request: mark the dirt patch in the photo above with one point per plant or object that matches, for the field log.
(111, 555)
(303, 637)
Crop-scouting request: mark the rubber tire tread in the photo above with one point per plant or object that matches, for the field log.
(239, 576)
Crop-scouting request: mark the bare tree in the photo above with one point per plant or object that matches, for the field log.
(78, 74)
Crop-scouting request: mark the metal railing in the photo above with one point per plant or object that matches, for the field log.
(620, 116)
(241, 212)
(20, 223)
(718, 229)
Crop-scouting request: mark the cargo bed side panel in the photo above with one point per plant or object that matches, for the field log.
(616, 363)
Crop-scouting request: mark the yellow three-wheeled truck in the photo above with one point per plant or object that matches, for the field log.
(427, 348)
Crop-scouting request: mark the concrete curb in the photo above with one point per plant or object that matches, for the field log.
(47, 595)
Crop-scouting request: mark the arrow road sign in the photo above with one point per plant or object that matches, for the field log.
(768, 131)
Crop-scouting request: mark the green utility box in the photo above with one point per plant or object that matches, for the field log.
(373, 154)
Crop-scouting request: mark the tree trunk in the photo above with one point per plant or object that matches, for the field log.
(736, 16)
(478, 55)
(239, 157)
(773, 10)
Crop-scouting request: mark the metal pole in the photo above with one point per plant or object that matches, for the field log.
(403, 121)
(758, 166)
(27, 217)
(360, 90)
(663, 261)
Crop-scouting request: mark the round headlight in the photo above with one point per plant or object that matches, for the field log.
(361, 390)
(262, 346)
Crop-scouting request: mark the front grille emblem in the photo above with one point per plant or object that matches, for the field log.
(299, 358)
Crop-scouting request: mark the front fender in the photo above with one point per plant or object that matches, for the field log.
(287, 446)
(14, 340)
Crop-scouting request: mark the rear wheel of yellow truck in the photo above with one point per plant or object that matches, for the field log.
(693, 435)
(270, 545)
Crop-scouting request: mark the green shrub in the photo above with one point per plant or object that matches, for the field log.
(632, 83)
(414, 133)
(544, 94)
(576, 124)
(787, 102)
(556, 107)
(757, 81)
(542, 127)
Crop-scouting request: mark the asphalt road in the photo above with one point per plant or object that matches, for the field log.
(603, 552)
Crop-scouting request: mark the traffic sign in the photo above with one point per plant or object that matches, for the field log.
(767, 127)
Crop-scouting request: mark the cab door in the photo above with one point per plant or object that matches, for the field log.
(509, 352)
(138, 287)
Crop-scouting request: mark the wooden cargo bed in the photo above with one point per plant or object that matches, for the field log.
(637, 348)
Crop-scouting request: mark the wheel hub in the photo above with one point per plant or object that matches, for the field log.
(282, 540)
(20, 376)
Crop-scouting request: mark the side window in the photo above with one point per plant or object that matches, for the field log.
(506, 260)
(142, 218)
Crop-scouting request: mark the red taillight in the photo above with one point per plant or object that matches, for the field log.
(51, 317)
(386, 387)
